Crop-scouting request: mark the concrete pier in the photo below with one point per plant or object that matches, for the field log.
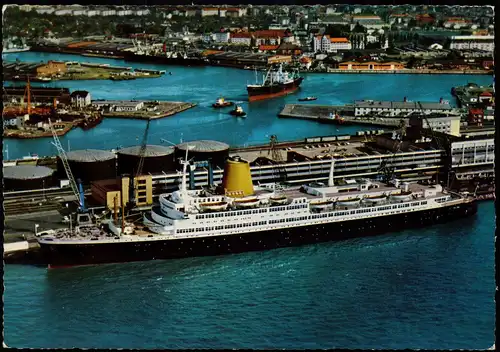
(325, 113)
(23, 252)
(15, 247)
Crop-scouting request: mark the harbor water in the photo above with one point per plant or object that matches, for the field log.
(203, 85)
(431, 289)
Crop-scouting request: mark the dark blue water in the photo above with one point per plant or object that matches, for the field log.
(431, 289)
(203, 85)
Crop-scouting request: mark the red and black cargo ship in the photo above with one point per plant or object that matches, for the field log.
(276, 83)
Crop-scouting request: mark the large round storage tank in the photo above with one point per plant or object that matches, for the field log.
(203, 150)
(157, 159)
(89, 165)
(27, 177)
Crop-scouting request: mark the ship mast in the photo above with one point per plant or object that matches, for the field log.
(185, 163)
(123, 219)
(266, 77)
(115, 200)
(27, 94)
(332, 169)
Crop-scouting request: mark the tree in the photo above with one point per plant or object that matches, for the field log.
(358, 28)
(411, 62)
(375, 45)
(336, 30)
(452, 56)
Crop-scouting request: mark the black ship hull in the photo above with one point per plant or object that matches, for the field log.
(164, 60)
(267, 92)
(63, 255)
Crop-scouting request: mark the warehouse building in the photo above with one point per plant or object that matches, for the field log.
(39, 95)
(399, 108)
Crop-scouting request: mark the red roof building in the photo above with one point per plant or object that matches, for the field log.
(268, 37)
(425, 19)
(268, 47)
(270, 33)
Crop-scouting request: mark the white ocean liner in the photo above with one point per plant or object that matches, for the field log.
(238, 216)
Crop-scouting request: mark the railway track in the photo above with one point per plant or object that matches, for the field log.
(35, 201)
(26, 208)
(37, 193)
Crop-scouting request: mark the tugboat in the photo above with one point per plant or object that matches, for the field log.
(221, 103)
(238, 111)
(308, 99)
(337, 118)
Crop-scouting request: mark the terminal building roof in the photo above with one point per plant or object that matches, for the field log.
(401, 105)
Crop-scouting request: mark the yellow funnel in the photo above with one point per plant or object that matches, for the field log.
(237, 180)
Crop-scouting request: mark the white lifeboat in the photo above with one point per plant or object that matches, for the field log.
(246, 202)
(403, 195)
(375, 199)
(348, 202)
(322, 204)
(278, 200)
(213, 206)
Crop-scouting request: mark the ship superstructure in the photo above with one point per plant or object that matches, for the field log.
(238, 216)
(275, 83)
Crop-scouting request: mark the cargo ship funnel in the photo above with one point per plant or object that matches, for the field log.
(237, 180)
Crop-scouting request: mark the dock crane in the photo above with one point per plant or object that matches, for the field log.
(437, 140)
(276, 157)
(77, 188)
(142, 153)
(386, 168)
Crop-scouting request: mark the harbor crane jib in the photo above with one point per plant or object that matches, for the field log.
(77, 188)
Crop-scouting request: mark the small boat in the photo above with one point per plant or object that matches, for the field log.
(402, 195)
(214, 206)
(318, 205)
(42, 79)
(348, 202)
(238, 111)
(246, 203)
(278, 200)
(308, 99)
(221, 103)
(375, 199)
